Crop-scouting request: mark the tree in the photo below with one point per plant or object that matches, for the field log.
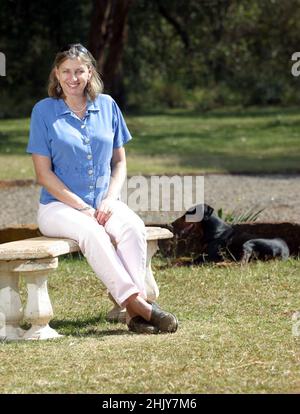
(107, 37)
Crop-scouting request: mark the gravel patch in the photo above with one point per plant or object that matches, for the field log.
(279, 195)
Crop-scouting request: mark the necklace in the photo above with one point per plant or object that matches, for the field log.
(77, 111)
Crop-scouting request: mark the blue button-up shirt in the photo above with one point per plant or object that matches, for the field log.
(80, 149)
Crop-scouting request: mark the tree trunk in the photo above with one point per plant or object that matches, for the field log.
(107, 37)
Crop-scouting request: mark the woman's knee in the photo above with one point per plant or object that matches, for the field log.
(133, 230)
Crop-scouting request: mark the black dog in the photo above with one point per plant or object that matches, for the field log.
(222, 240)
(265, 249)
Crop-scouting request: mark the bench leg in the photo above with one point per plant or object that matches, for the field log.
(117, 314)
(38, 310)
(11, 313)
(151, 285)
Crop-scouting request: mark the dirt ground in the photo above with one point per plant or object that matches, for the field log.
(278, 195)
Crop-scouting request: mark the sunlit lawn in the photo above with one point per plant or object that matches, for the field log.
(235, 335)
(178, 142)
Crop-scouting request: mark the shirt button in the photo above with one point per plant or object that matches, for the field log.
(82, 126)
(91, 187)
(87, 140)
(90, 172)
(89, 156)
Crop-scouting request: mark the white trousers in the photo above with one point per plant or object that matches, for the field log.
(116, 251)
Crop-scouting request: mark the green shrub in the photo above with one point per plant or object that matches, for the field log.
(235, 217)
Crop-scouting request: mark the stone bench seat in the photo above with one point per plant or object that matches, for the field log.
(34, 259)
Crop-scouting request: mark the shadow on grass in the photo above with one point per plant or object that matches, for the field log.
(86, 327)
(253, 112)
(242, 163)
(11, 143)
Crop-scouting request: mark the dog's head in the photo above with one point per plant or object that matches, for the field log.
(190, 222)
(208, 211)
(198, 213)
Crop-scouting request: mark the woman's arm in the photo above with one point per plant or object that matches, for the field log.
(118, 173)
(46, 177)
(118, 176)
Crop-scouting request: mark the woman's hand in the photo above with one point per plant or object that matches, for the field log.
(89, 212)
(105, 209)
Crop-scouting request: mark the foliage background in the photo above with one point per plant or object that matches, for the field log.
(190, 54)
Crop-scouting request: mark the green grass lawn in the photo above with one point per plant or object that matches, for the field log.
(235, 335)
(180, 142)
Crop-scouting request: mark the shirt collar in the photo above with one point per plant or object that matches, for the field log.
(62, 108)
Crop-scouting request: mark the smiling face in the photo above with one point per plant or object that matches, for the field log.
(73, 76)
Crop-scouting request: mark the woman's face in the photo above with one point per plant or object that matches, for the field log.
(73, 76)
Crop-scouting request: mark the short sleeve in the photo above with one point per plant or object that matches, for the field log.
(38, 137)
(121, 132)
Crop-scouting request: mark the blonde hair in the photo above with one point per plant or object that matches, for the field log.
(73, 51)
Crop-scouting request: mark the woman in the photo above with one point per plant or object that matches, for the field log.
(77, 138)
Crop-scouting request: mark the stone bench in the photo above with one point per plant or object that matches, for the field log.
(34, 258)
